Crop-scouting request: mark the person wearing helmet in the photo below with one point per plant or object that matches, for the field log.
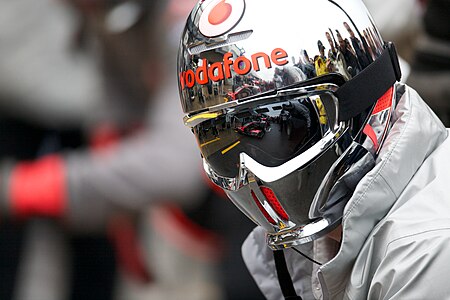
(349, 199)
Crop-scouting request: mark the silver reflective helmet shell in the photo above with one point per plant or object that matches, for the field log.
(234, 50)
(271, 44)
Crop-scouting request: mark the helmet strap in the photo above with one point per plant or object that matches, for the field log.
(284, 278)
(363, 90)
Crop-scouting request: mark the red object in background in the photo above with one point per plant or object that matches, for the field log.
(39, 188)
(104, 138)
(130, 255)
(187, 236)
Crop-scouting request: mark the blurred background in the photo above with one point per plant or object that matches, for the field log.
(102, 194)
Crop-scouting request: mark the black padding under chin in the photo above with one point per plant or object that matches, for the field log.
(363, 90)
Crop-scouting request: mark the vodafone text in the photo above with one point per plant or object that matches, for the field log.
(241, 65)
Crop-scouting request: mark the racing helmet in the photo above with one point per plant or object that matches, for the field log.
(289, 102)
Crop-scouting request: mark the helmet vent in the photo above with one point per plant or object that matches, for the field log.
(261, 208)
(231, 39)
(274, 203)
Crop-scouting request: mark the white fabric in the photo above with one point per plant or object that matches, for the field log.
(396, 230)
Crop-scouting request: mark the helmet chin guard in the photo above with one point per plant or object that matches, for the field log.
(286, 112)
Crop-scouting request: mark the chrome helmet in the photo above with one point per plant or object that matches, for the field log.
(289, 101)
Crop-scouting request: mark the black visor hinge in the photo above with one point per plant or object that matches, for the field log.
(394, 59)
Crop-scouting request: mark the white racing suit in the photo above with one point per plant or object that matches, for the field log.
(396, 226)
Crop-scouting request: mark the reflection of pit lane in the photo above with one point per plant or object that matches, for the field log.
(275, 143)
(231, 147)
(215, 144)
(210, 142)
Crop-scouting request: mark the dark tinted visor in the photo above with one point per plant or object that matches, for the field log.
(271, 132)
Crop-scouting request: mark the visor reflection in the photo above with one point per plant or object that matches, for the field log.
(270, 133)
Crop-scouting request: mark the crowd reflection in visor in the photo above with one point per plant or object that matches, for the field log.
(346, 54)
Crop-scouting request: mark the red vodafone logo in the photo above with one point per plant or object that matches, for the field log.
(229, 67)
(220, 16)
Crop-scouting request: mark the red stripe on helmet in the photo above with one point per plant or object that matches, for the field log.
(274, 203)
(261, 208)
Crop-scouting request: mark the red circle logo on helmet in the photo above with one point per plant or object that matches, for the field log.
(220, 16)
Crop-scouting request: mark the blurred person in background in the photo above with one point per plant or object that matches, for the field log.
(430, 67)
(420, 30)
(398, 21)
(67, 217)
